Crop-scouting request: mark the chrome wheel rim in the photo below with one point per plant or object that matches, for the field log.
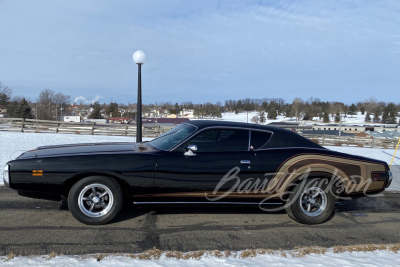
(95, 200)
(313, 201)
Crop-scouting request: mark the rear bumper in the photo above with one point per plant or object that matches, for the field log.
(389, 182)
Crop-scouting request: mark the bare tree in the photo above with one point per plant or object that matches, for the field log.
(45, 103)
(335, 107)
(297, 107)
(61, 101)
(370, 104)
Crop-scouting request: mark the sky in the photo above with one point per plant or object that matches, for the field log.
(202, 51)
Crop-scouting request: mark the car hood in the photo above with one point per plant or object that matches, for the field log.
(83, 149)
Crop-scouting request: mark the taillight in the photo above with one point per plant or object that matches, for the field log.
(379, 176)
(375, 176)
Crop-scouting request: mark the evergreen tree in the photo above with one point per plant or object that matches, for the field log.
(352, 110)
(392, 116)
(255, 119)
(367, 117)
(23, 110)
(362, 109)
(262, 116)
(377, 114)
(131, 115)
(326, 117)
(272, 113)
(385, 116)
(239, 105)
(5, 94)
(177, 109)
(337, 117)
(392, 112)
(96, 112)
(112, 110)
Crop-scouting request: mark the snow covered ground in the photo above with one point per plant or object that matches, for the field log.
(13, 144)
(373, 258)
(357, 119)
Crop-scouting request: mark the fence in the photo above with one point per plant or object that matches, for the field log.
(92, 128)
(334, 140)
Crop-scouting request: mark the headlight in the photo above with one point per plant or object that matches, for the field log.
(6, 175)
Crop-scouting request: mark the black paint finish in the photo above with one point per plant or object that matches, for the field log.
(150, 174)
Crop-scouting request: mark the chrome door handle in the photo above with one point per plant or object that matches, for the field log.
(245, 162)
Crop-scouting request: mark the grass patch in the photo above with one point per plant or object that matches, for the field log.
(10, 256)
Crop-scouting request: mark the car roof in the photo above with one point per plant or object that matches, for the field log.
(215, 123)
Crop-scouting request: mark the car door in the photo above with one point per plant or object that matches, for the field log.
(214, 172)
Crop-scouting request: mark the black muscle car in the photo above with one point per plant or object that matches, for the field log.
(199, 162)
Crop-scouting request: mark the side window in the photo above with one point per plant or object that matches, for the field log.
(286, 138)
(219, 140)
(259, 139)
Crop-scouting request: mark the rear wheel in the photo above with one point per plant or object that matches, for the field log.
(311, 202)
(95, 200)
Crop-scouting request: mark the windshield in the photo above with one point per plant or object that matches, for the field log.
(173, 137)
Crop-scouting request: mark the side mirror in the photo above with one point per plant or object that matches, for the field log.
(192, 147)
(190, 153)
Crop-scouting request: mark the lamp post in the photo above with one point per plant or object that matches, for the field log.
(138, 58)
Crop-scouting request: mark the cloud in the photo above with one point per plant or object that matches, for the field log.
(84, 100)
(204, 50)
(80, 98)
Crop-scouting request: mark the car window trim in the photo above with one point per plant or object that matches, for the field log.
(175, 132)
(272, 133)
(221, 127)
(290, 147)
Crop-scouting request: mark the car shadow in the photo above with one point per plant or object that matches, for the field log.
(359, 206)
(369, 204)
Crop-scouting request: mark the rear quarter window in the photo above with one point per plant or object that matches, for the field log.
(283, 138)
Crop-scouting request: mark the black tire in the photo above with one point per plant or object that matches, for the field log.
(98, 206)
(302, 207)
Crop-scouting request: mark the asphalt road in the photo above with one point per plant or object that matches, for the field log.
(35, 227)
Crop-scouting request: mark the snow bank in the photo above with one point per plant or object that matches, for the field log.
(374, 258)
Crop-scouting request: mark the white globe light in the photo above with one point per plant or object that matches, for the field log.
(139, 57)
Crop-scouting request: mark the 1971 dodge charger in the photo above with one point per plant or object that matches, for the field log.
(199, 162)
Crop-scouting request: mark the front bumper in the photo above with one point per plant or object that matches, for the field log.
(6, 175)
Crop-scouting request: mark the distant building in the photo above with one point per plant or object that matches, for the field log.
(188, 113)
(327, 132)
(72, 119)
(3, 111)
(354, 128)
(162, 122)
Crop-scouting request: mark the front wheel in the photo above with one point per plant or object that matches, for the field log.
(311, 202)
(95, 200)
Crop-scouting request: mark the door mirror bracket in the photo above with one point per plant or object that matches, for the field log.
(190, 153)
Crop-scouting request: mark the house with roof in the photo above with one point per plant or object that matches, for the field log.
(3, 111)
